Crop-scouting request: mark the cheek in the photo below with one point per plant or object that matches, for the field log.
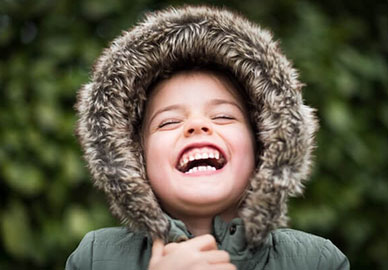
(158, 165)
(157, 153)
(244, 148)
(242, 140)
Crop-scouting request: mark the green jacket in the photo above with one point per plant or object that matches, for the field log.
(118, 249)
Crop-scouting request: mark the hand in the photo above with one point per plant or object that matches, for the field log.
(199, 253)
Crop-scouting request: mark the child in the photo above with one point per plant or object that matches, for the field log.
(194, 126)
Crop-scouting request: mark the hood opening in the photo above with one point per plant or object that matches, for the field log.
(111, 105)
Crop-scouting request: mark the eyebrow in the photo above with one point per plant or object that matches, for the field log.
(217, 101)
(174, 107)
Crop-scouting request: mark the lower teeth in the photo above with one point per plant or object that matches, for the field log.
(201, 169)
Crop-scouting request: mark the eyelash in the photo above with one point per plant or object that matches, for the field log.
(168, 122)
(171, 122)
(227, 117)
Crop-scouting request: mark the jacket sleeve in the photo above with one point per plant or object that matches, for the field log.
(331, 258)
(82, 257)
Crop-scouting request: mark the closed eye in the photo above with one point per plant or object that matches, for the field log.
(168, 123)
(227, 117)
(223, 119)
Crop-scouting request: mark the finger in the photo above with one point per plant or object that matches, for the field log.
(216, 256)
(203, 243)
(170, 248)
(223, 266)
(157, 249)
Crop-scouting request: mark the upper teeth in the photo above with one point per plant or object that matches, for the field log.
(197, 154)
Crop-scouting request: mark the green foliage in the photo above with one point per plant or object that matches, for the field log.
(47, 49)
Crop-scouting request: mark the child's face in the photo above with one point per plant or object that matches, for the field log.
(197, 115)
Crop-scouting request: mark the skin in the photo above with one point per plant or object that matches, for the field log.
(199, 253)
(196, 109)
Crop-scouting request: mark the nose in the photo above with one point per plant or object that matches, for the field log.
(198, 126)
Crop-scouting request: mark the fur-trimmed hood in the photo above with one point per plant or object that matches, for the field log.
(111, 105)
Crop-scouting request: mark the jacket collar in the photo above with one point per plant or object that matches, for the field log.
(178, 231)
(230, 236)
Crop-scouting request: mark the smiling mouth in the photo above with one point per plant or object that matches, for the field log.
(201, 159)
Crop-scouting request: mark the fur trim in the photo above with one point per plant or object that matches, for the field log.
(110, 107)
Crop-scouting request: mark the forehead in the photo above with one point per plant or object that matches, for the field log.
(190, 84)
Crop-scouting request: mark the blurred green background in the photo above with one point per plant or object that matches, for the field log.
(47, 48)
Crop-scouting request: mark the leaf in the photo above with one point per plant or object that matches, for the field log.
(15, 230)
(23, 178)
(78, 221)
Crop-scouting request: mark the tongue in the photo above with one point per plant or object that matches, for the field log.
(197, 163)
(217, 164)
